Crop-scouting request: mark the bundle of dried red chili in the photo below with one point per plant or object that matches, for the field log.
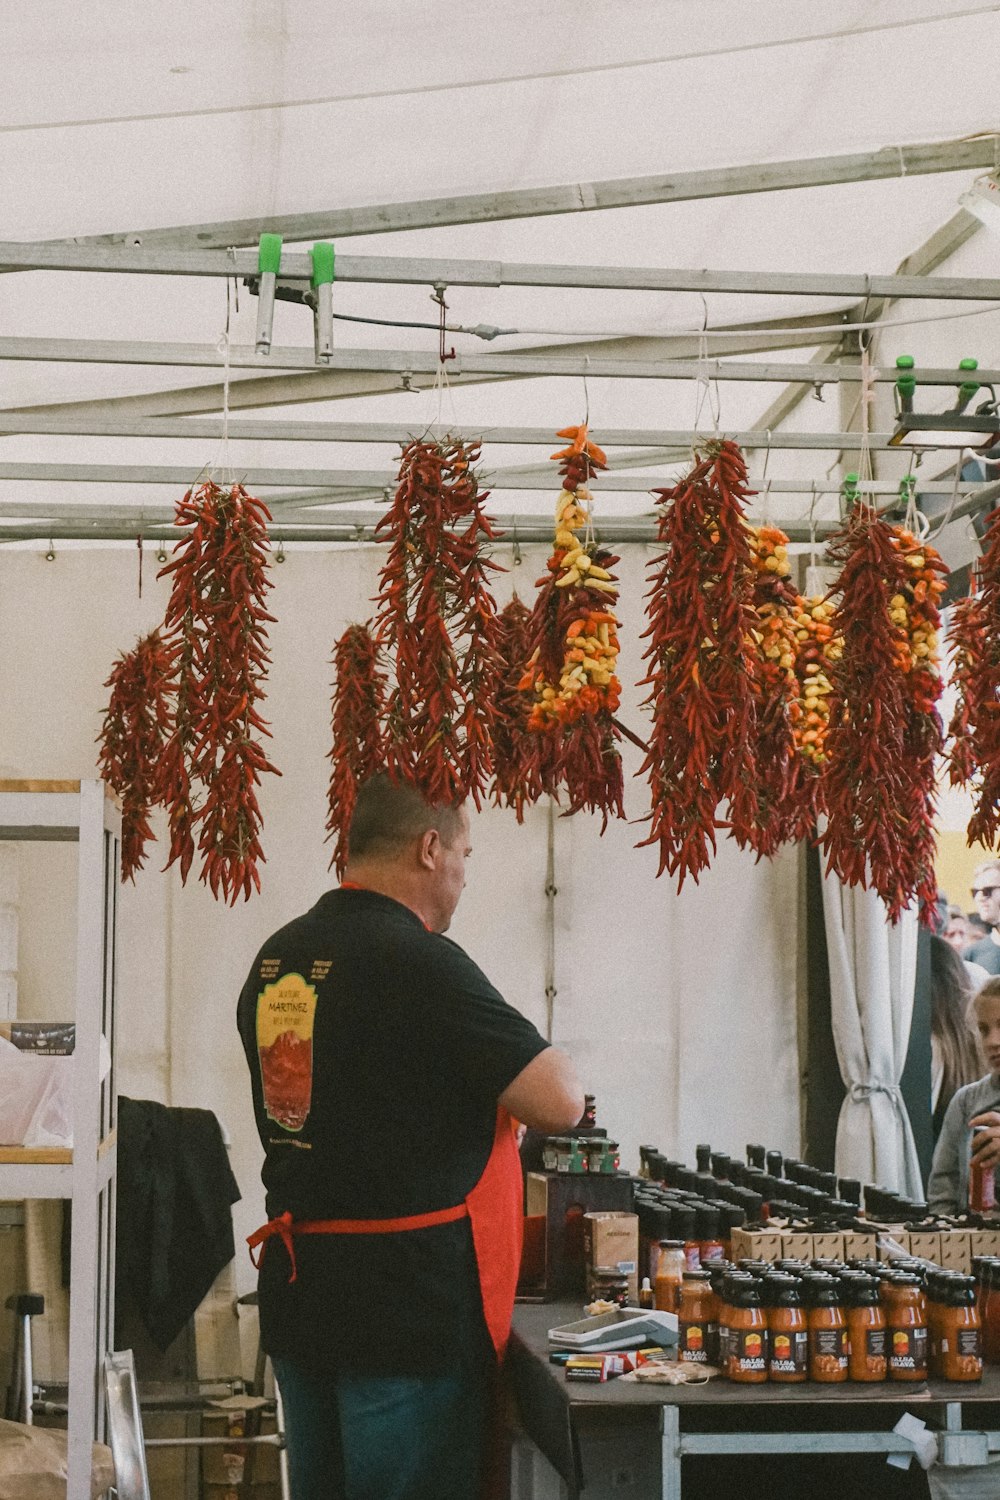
(137, 723)
(522, 763)
(885, 732)
(359, 698)
(700, 674)
(975, 726)
(571, 670)
(437, 620)
(216, 630)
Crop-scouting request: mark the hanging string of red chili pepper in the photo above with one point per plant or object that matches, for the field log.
(780, 786)
(437, 620)
(571, 671)
(885, 732)
(360, 690)
(523, 765)
(975, 725)
(216, 627)
(701, 674)
(137, 723)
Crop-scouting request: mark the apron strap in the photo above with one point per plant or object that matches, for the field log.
(285, 1227)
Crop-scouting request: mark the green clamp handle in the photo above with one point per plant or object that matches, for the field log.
(849, 487)
(904, 361)
(323, 264)
(905, 384)
(968, 388)
(269, 255)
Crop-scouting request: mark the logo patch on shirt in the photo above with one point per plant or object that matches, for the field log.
(286, 1012)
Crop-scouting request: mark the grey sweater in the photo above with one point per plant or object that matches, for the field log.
(948, 1186)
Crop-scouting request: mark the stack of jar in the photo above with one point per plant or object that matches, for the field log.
(768, 1185)
(830, 1321)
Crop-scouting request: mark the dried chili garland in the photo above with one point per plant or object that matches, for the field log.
(780, 787)
(975, 725)
(137, 723)
(522, 770)
(438, 621)
(360, 690)
(216, 627)
(571, 671)
(700, 669)
(885, 732)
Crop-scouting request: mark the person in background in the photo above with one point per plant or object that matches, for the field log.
(957, 931)
(977, 927)
(955, 1057)
(977, 1104)
(387, 1076)
(986, 895)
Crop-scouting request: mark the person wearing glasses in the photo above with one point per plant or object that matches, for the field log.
(986, 897)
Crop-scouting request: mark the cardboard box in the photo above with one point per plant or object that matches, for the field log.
(756, 1244)
(985, 1242)
(564, 1199)
(858, 1246)
(612, 1239)
(797, 1246)
(926, 1245)
(828, 1246)
(956, 1250)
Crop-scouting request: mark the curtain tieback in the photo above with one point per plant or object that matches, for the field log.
(860, 1093)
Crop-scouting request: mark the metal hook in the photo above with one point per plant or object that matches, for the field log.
(279, 556)
(516, 558)
(50, 556)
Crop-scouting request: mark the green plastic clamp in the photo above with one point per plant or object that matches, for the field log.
(849, 487)
(968, 388)
(269, 254)
(905, 384)
(323, 264)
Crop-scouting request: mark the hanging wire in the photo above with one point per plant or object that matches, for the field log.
(551, 892)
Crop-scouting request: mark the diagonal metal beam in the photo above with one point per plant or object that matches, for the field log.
(941, 245)
(579, 197)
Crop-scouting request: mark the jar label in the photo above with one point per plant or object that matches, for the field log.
(875, 1343)
(724, 1337)
(790, 1352)
(908, 1349)
(692, 1343)
(747, 1350)
(692, 1257)
(712, 1252)
(970, 1342)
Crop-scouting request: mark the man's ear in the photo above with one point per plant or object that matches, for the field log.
(429, 849)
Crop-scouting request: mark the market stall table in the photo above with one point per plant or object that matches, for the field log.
(745, 1419)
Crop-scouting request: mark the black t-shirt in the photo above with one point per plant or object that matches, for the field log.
(985, 953)
(377, 1053)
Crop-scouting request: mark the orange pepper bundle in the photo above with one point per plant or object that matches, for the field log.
(975, 638)
(137, 725)
(571, 670)
(816, 648)
(885, 732)
(778, 788)
(701, 670)
(359, 697)
(522, 762)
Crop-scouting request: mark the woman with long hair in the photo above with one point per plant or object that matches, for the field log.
(955, 1058)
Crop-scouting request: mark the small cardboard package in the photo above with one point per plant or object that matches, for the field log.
(612, 1239)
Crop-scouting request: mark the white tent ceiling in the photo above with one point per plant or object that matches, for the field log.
(129, 126)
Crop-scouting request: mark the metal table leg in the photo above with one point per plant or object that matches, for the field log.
(670, 1448)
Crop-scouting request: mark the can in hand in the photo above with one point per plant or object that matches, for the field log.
(982, 1179)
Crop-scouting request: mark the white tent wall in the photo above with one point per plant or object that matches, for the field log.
(678, 1010)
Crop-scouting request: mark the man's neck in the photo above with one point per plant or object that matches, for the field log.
(385, 882)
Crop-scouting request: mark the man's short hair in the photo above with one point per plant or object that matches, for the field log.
(987, 864)
(388, 815)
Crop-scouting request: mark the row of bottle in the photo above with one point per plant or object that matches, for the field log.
(780, 1186)
(826, 1321)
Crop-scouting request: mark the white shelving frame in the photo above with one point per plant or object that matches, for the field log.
(82, 812)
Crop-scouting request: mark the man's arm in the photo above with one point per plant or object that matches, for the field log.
(547, 1095)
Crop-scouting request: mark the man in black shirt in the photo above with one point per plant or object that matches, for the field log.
(986, 895)
(385, 1069)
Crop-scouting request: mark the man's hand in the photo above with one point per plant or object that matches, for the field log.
(986, 1143)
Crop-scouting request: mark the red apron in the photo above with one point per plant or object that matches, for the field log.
(494, 1207)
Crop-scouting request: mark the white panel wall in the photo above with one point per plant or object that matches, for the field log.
(678, 1011)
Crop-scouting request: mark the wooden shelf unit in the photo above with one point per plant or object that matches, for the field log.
(82, 812)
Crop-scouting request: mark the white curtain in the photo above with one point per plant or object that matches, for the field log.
(872, 975)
